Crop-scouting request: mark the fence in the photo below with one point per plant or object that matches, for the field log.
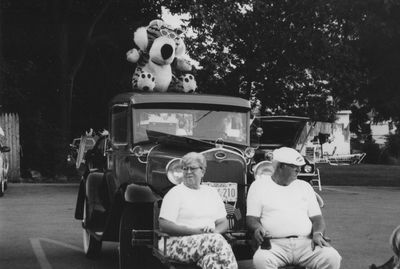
(9, 122)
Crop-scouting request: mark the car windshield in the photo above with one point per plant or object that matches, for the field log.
(208, 125)
(279, 133)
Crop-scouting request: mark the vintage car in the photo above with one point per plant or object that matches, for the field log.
(271, 132)
(3, 169)
(118, 200)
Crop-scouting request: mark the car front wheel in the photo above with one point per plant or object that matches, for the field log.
(91, 245)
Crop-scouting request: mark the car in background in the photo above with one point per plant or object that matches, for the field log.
(272, 132)
(3, 169)
(78, 149)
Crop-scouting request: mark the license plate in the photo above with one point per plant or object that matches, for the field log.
(227, 191)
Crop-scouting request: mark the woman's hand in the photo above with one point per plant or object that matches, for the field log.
(208, 229)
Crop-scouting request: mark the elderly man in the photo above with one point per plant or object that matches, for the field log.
(285, 211)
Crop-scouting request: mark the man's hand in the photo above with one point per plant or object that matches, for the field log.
(319, 240)
(259, 234)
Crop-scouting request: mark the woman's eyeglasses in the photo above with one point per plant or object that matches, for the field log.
(188, 168)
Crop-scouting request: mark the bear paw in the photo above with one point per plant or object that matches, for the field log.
(144, 82)
(189, 84)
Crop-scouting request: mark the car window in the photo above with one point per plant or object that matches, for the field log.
(279, 133)
(119, 124)
(198, 124)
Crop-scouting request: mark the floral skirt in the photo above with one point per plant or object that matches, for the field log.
(209, 251)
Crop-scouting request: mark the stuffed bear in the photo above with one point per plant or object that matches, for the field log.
(160, 50)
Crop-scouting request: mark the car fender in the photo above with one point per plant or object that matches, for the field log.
(93, 185)
(79, 201)
(90, 189)
(136, 193)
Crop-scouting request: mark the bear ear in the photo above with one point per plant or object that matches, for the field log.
(140, 38)
(156, 22)
(132, 56)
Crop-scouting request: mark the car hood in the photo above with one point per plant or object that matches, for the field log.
(278, 131)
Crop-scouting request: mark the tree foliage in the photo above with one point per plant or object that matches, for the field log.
(294, 55)
(61, 61)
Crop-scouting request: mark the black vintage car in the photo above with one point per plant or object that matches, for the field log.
(149, 133)
(272, 132)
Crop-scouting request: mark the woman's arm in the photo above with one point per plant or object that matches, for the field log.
(221, 225)
(174, 229)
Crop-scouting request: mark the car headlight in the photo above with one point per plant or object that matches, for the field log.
(307, 168)
(268, 155)
(263, 168)
(249, 152)
(174, 171)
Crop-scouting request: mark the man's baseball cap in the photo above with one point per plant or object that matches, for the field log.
(289, 156)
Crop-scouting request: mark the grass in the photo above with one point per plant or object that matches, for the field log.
(360, 175)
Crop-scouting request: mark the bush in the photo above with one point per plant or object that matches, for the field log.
(392, 145)
(373, 152)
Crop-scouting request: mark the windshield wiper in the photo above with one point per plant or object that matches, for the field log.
(204, 116)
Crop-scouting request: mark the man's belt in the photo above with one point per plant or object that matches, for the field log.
(291, 236)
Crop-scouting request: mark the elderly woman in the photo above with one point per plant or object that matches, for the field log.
(194, 216)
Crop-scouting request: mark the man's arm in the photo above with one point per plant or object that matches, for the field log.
(254, 224)
(318, 229)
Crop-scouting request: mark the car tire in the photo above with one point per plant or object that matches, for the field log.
(91, 245)
(129, 256)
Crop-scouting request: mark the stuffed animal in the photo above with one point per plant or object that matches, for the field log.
(160, 48)
(187, 84)
(146, 81)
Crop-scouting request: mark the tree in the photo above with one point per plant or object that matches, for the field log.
(294, 55)
(379, 43)
(69, 64)
(56, 51)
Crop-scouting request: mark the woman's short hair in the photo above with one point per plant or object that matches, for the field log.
(195, 156)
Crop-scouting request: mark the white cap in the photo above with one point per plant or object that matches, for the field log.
(288, 155)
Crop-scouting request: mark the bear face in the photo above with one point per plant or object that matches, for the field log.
(162, 52)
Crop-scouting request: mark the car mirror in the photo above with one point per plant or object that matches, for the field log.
(5, 149)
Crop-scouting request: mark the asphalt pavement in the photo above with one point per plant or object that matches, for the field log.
(38, 229)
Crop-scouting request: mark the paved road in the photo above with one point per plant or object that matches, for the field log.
(38, 231)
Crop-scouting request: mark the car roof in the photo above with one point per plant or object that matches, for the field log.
(152, 98)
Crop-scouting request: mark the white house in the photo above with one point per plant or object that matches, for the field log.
(379, 131)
